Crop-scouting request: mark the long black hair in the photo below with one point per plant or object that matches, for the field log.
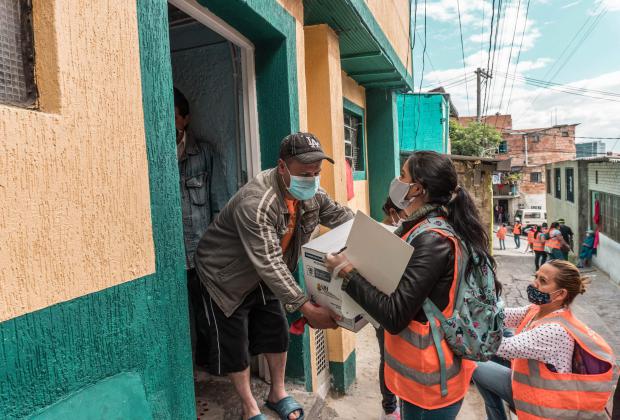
(438, 176)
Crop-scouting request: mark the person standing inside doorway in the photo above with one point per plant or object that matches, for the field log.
(246, 261)
(199, 205)
(516, 232)
(501, 235)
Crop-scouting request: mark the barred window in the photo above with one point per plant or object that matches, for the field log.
(353, 148)
(548, 181)
(609, 223)
(570, 184)
(558, 183)
(536, 177)
(17, 85)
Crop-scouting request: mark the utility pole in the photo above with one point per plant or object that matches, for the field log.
(479, 75)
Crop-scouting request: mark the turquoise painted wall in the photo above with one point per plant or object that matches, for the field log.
(140, 327)
(423, 122)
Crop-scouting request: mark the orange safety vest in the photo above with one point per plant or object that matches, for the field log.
(539, 393)
(530, 236)
(412, 368)
(539, 242)
(517, 229)
(553, 243)
(501, 233)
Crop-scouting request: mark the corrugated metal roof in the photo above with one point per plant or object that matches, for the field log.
(364, 57)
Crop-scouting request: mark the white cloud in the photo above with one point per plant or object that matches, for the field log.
(610, 5)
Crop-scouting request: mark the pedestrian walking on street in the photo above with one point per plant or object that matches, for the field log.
(516, 232)
(555, 357)
(567, 235)
(555, 244)
(428, 190)
(501, 235)
(540, 256)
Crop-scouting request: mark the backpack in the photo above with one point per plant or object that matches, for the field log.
(475, 329)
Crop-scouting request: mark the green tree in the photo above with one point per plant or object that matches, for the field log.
(477, 139)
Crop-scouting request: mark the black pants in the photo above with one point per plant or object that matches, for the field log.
(540, 258)
(198, 319)
(389, 399)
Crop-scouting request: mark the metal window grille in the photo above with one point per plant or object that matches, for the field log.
(536, 177)
(322, 362)
(610, 215)
(17, 85)
(558, 183)
(570, 184)
(548, 181)
(352, 142)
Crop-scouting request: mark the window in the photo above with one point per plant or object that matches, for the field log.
(536, 177)
(503, 147)
(564, 133)
(548, 180)
(354, 139)
(16, 53)
(536, 138)
(531, 215)
(596, 177)
(570, 184)
(609, 223)
(558, 183)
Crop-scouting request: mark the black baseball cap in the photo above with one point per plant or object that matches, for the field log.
(304, 147)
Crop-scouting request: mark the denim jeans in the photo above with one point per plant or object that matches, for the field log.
(502, 244)
(389, 402)
(495, 386)
(413, 412)
(517, 240)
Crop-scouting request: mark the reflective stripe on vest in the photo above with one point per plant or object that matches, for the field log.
(540, 393)
(530, 236)
(412, 367)
(553, 243)
(539, 243)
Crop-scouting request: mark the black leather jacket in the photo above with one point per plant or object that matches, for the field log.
(429, 274)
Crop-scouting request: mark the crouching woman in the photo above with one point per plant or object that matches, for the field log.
(561, 369)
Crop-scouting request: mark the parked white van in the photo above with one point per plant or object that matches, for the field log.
(531, 217)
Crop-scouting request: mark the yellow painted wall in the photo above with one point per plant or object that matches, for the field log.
(296, 9)
(357, 94)
(393, 18)
(75, 212)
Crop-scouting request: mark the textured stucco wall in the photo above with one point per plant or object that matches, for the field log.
(139, 326)
(75, 214)
(393, 18)
(421, 122)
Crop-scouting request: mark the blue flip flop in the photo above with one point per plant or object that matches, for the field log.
(285, 407)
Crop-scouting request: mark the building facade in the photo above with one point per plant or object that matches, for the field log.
(94, 299)
(586, 193)
(590, 149)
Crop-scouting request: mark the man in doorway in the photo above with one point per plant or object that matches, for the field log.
(246, 261)
(567, 235)
(199, 205)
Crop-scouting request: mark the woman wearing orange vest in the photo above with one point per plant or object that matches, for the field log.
(531, 233)
(428, 190)
(561, 369)
(538, 245)
(501, 235)
(516, 233)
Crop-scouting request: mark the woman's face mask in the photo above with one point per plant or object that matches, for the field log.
(398, 193)
(538, 297)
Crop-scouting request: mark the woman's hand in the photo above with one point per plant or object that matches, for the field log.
(333, 261)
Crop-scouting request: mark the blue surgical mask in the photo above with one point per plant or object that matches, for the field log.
(303, 187)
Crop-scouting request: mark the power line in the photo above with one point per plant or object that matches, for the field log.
(489, 53)
(564, 86)
(501, 20)
(410, 53)
(527, 11)
(421, 78)
(458, 5)
(514, 33)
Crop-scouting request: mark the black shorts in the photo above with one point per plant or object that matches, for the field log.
(258, 326)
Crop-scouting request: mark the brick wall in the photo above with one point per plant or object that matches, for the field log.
(608, 177)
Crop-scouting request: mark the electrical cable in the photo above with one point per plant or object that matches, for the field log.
(514, 33)
(421, 78)
(458, 6)
(527, 11)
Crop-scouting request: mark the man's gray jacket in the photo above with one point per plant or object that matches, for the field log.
(242, 245)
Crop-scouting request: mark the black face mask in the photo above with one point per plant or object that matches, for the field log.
(537, 297)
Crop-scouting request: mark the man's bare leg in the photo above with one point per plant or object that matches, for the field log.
(241, 382)
(277, 365)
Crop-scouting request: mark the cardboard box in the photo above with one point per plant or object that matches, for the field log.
(323, 287)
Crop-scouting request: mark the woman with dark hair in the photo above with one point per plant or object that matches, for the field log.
(429, 192)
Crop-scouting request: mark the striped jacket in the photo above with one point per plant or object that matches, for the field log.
(242, 245)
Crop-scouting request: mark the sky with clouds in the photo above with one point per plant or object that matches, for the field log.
(573, 43)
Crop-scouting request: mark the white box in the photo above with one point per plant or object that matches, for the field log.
(323, 287)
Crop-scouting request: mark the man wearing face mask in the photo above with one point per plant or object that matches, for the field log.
(246, 259)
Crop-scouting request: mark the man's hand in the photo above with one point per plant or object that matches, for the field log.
(319, 317)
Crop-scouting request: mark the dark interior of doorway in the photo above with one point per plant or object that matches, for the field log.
(207, 68)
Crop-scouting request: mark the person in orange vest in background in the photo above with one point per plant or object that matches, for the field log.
(531, 233)
(555, 244)
(501, 235)
(516, 232)
(538, 245)
(561, 369)
(429, 192)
